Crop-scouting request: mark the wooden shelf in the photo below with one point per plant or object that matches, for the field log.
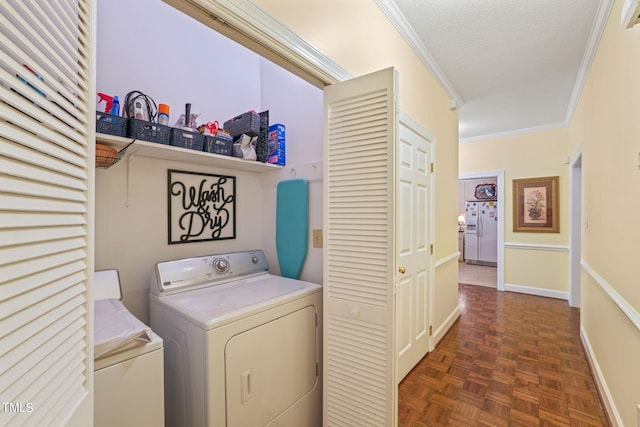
(168, 152)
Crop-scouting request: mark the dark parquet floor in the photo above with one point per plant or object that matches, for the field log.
(509, 360)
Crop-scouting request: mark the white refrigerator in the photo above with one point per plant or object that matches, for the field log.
(481, 232)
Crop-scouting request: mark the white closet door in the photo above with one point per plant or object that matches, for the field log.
(46, 218)
(414, 263)
(359, 340)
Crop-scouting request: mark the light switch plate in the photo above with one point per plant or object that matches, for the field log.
(317, 238)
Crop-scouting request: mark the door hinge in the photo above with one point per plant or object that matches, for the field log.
(430, 330)
(432, 167)
(431, 248)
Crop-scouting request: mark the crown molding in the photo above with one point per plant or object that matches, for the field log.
(275, 37)
(604, 9)
(599, 23)
(514, 132)
(390, 9)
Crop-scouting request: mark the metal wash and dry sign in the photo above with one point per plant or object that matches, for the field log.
(201, 207)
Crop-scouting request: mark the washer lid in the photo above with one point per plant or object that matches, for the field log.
(106, 284)
(214, 306)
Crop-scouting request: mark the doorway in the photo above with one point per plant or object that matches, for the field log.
(471, 271)
(575, 237)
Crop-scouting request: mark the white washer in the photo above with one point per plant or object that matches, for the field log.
(242, 346)
(128, 384)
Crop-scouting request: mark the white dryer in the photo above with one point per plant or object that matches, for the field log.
(242, 346)
(128, 377)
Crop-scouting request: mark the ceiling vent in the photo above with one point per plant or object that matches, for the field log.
(630, 13)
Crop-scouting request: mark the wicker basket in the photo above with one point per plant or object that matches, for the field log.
(105, 155)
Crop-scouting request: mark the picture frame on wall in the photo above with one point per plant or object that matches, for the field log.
(536, 205)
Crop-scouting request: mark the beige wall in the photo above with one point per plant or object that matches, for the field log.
(606, 127)
(533, 262)
(370, 43)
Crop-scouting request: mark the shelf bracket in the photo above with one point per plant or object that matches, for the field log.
(128, 184)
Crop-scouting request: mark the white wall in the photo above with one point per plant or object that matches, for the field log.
(147, 45)
(220, 79)
(293, 101)
(298, 105)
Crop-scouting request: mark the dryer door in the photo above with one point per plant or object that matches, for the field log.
(270, 368)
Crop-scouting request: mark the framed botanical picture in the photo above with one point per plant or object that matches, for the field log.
(535, 205)
(202, 207)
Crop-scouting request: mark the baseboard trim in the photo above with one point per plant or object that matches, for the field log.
(444, 327)
(536, 291)
(601, 383)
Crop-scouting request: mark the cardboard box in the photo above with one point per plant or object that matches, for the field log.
(276, 144)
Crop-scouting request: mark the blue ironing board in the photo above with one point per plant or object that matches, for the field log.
(292, 224)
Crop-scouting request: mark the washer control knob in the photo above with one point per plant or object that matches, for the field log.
(220, 265)
(254, 259)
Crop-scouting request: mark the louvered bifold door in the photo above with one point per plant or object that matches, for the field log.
(45, 211)
(359, 343)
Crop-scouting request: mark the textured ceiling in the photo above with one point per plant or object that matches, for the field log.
(514, 65)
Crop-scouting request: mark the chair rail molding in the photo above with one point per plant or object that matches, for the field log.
(537, 247)
(447, 259)
(629, 311)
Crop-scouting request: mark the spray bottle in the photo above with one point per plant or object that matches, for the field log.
(163, 114)
(108, 101)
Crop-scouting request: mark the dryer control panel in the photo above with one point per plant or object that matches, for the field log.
(192, 273)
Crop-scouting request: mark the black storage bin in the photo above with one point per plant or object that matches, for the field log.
(148, 131)
(110, 124)
(218, 145)
(247, 123)
(262, 149)
(187, 139)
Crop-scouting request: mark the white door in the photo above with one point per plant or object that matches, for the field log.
(359, 381)
(414, 263)
(46, 212)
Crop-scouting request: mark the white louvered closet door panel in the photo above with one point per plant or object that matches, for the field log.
(46, 202)
(359, 312)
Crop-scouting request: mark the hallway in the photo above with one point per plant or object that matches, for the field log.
(480, 275)
(510, 360)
